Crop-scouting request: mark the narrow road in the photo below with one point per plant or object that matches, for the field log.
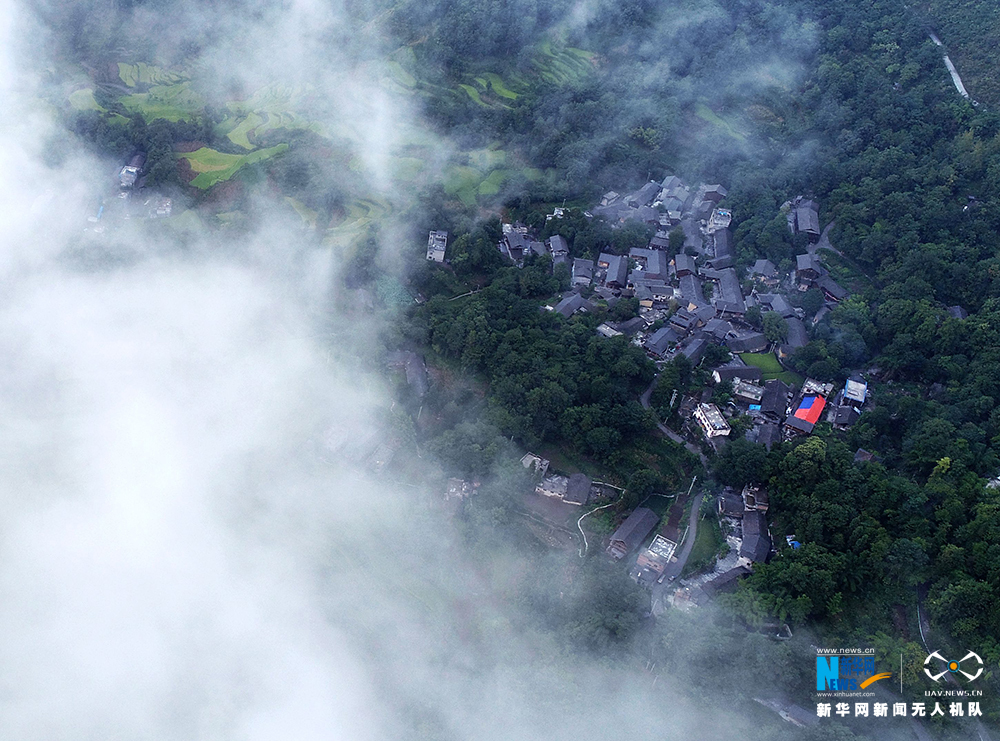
(579, 524)
(951, 70)
(674, 569)
(824, 242)
(644, 400)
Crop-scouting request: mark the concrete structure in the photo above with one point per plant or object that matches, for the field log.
(437, 242)
(711, 420)
(755, 498)
(536, 462)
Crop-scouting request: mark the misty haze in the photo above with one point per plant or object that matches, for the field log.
(499, 370)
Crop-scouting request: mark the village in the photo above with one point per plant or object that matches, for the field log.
(692, 304)
(132, 199)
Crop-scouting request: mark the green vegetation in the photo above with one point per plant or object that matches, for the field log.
(400, 75)
(145, 74)
(239, 134)
(771, 368)
(213, 166)
(474, 94)
(706, 545)
(498, 86)
(970, 31)
(865, 120)
(307, 215)
(561, 65)
(170, 102)
(708, 115)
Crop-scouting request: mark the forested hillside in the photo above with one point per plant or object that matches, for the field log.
(970, 30)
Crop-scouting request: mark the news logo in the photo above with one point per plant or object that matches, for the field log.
(846, 673)
(936, 661)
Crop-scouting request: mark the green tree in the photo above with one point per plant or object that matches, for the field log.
(775, 328)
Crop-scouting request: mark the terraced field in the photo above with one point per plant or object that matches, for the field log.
(214, 167)
(170, 102)
(239, 135)
(361, 213)
(141, 73)
(707, 115)
(562, 65)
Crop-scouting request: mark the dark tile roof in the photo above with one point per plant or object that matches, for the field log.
(662, 340)
(722, 262)
(695, 350)
(846, 416)
(578, 489)
(753, 342)
(833, 289)
(777, 303)
(583, 269)
(718, 328)
(570, 305)
(690, 290)
(725, 582)
(723, 243)
(775, 399)
(799, 425)
(645, 195)
(558, 244)
(807, 219)
(756, 542)
(765, 268)
(957, 312)
(797, 334)
(630, 327)
(746, 372)
(684, 264)
(654, 262)
(632, 532)
(730, 505)
(729, 292)
(671, 182)
(768, 434)
(808, 262)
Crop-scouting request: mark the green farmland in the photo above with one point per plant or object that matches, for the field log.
(214, 167)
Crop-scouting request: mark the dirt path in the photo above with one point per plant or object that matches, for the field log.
(644, 400)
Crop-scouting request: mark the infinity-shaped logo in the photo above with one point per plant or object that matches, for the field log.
(955, 667)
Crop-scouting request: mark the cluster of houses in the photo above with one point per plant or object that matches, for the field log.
(779, 411)
(518, 243)
(690, 300)
(744, 515)
(695, 298)
(664, 205)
